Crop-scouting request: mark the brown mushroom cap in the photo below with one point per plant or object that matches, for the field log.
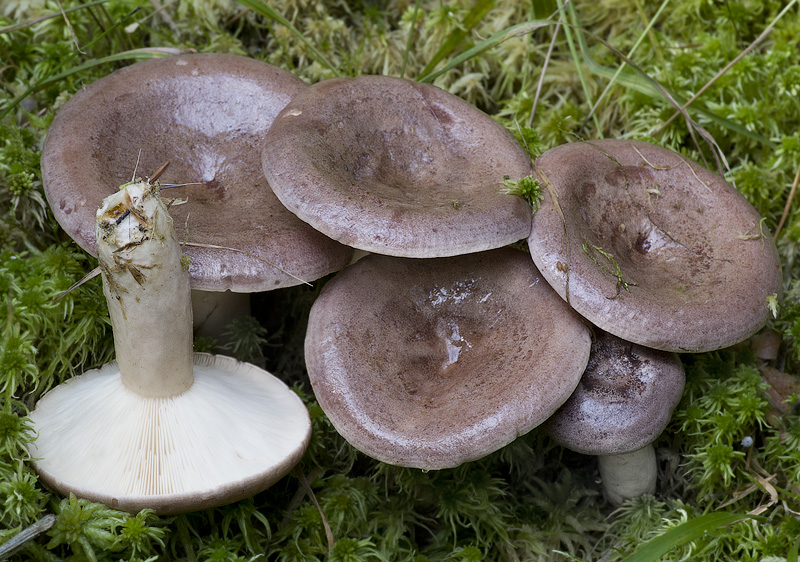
(623, 401)
(397, 167)
(433, 363)
(655, 249)
(207, 114)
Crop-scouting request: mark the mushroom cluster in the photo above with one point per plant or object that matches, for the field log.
(441, 347)
(431, 362)
(641, 242)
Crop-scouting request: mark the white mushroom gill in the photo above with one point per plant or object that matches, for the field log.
(215, 432)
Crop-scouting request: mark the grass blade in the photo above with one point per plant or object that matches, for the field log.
(686, 532)
(263, 9)
(473, 18)
(410, 40)
(571, 44)
(23, 25)
(639, 81)
(38, 84)
(135, 54)
(622, 65)
(486, 44)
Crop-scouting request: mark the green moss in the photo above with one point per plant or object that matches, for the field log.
(528, 188)
(530, 500)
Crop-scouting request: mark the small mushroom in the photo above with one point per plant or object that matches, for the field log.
(433, 363)
(623, 402)
(651, 247)
(396, 167)
(207, 114)
(162, 428)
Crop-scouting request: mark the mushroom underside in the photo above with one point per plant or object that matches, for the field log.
(235, 432)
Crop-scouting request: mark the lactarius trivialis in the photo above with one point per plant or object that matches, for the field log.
(432, 363)
(397, 167)
(651, 247)
(207, 114)
(162, 428)
(623, 402)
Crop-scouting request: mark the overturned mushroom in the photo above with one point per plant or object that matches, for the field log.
(162, 428)
(433, 363)
(396, 167)
(651, 247)
(623, 402)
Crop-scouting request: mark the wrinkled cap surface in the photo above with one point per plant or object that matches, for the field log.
(432, 363)
(652, 248)
(624, 400)
(235, 432)
(206, 114)
(397, 167)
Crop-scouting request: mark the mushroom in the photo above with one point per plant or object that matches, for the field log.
(207, 114)
(623, 402)
(396, 167)
(162, 428)
(433, 363)
(651, 247)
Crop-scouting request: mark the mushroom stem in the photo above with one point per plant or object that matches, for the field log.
(147, 289)
(628, 475)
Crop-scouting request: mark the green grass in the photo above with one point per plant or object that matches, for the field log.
(730, 459)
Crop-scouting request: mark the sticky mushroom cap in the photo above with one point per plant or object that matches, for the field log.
(652, 247)
(235, 432)
(206, 114)
(397, 167)
(433, 363)
(623, 401)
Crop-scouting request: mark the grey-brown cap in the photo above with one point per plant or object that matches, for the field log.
(623, 401)
(652, 247)
(397, 167)
(206, 114)
(433, 363)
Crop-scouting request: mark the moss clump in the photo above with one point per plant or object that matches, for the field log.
(729, 444)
